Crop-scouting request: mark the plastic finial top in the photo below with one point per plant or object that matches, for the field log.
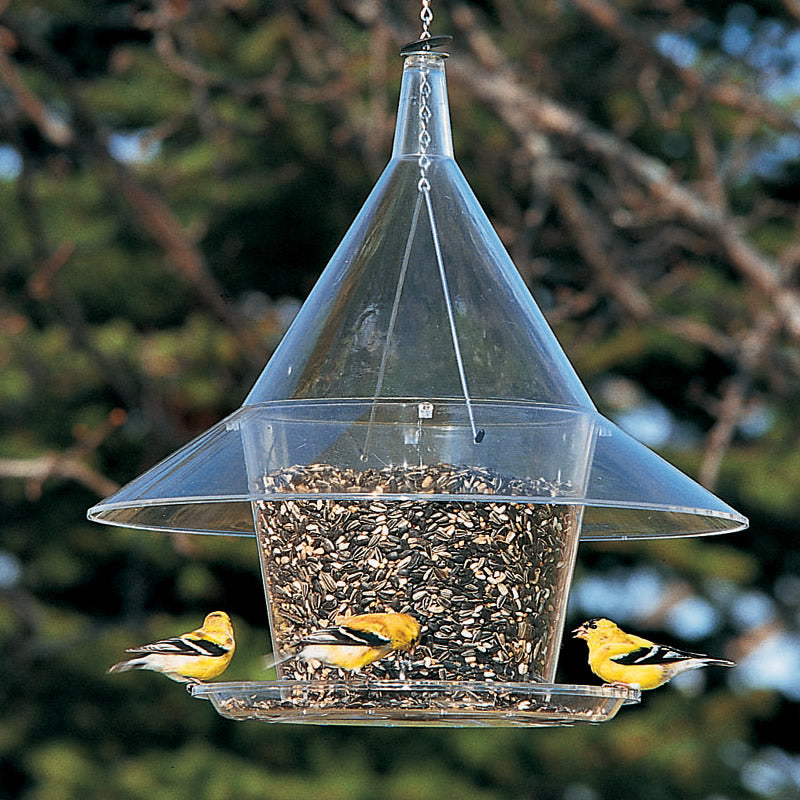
(424, 45)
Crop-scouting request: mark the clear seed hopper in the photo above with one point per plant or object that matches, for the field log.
(419, 442)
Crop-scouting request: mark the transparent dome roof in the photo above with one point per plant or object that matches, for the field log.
(420, 345)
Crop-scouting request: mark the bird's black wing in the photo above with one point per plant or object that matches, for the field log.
(343, 635)
(181, 646)
(656, 654)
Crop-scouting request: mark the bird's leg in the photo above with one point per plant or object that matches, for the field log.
(405, 664)
(623, 685)
(191, 685)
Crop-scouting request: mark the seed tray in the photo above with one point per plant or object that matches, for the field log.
(358, 701)
(488, 581)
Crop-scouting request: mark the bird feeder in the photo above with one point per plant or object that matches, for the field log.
(419, 442)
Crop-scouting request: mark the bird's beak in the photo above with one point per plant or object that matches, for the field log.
(580, 633)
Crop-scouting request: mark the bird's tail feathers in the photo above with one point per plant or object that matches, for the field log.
(719, 662)
(125, 666)
(273, 659)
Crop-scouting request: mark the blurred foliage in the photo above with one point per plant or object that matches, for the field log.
(173, 177)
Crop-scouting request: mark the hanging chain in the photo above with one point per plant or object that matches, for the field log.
(426, 15)
(424, 137)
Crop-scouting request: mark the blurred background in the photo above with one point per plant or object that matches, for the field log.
(174, 176)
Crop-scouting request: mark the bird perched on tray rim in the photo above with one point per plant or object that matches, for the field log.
(621, 658)
(193, 657)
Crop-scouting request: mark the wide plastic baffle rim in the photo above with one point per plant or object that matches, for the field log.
(204, 488)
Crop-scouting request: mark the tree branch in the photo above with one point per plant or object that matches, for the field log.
(68, 465)
(734, 404)
(154, 215)
(524, 108)
(614, 22)
(53, 129)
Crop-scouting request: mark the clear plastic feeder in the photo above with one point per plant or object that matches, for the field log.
(419, 442)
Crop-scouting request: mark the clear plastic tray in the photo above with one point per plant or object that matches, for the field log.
(434, 703)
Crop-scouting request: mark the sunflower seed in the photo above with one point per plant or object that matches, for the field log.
(474, 573)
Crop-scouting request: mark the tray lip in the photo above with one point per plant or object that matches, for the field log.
(628, 694)
(608, 701)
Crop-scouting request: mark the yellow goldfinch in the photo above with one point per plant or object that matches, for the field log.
(621, 658)
(355, 642)
(191, 658)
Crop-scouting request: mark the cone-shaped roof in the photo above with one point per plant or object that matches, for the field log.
(421, 345)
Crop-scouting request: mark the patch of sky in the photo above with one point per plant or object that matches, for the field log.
(10, 570)
(752, 608)
(736, 39)
(642, 416)
(768, 53)
(736, 35)
(622, 595)
(787, 589)
(772, 772)
(773, 52)
(580, 791)
(10, 163)
(784, 83)
(767, 46)
(757, 422)
(631, 596)
(255, 305)
(650, 423)
(787, 146)
(133, 147)
(773, 664)
(770, 162)
(682, 50)
(692, 618)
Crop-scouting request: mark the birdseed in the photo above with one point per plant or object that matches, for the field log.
(360, 699)
(487, 580)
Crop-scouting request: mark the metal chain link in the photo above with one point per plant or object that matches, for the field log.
(426, 15)
(424, 138)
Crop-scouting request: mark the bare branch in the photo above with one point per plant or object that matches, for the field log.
(793, 7)
(154, 215)
(593, 240)
(524, 108)
(36, 471)
(70, 464)
(52, 128)
(612, 20)
(736, 396)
